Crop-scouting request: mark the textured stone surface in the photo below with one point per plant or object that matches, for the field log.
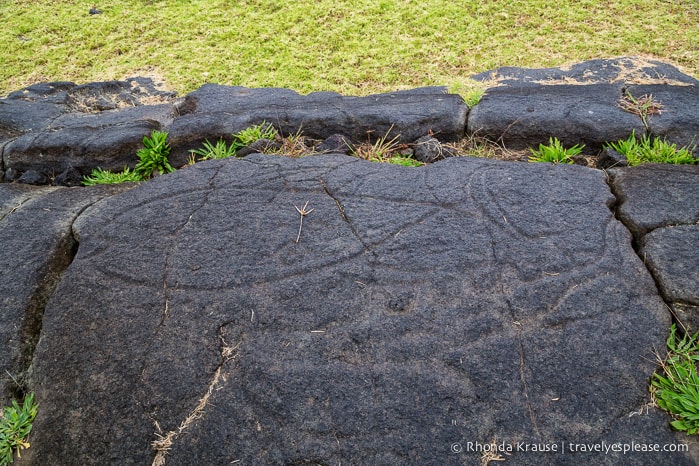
(108, 140)
(525, 116)
(421, 309)
(215, 111)
(609, 158)
(429, 150)
(36, 246)
(671, 254)
(51, 127)
(655, 195)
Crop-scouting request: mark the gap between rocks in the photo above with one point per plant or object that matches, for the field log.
(63, 255)
(614, 208)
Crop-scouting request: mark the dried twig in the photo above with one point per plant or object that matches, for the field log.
(303, 213)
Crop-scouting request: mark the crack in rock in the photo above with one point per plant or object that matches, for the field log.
(164, 442)
(49, 276)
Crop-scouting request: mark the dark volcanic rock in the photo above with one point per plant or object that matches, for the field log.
(336, 144)
(688, 314)
(215, 111)
(33, 177)
(37, 246)
(111, 95)
(54, 126)
(18, 116)
(419, 310)
(428, 150)
(655, 195)
(671, 255)
(69, 177)
(609, 158)
(522, 117)
(36, 107)
(108, 140)
(53, 92)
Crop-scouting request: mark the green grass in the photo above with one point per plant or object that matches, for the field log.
(555, 152)
(675, 387)
(99, 176)
(15, 425)
(353, 47)
(655, 150)
(152, 157)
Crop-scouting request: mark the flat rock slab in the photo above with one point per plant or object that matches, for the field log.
(671, 254)
(53, 127)
(411, 312)
(36, 245)
(84, 141)
(656, 195)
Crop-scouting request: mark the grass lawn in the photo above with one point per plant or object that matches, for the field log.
(353, 47)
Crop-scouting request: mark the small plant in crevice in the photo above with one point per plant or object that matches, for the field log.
(294, 145)
(472, 97)
(99, 176)
(380, 150)
(219, 151)
(675, 386)
(242, 138)
(555, 152)
(153, 156)
(652, 150)
(471, 91)
(247, 136)
(15, 426)
(643, 106)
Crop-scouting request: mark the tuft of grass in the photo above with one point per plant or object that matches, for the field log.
(380, 150)
(241, 139)
(471, 91)
(294, 145)
(655, 150)
(555, 152)
(219, 151)
(15, 426)
(355, 47)
(99, 176)
(153, 156)
(254, 133)
(675, 387)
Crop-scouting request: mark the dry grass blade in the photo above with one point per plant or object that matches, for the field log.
(643, 106)
(380, 150)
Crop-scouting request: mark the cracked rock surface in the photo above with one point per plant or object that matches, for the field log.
(37, 246)
(660, 205)
(421, 309)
